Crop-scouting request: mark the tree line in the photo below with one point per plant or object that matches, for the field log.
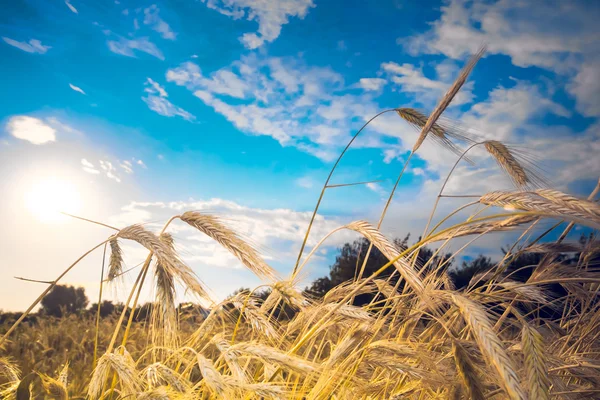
(348, 265)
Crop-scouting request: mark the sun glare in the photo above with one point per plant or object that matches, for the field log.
(46, 199)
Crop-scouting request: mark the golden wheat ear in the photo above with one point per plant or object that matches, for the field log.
(115, 265)
(441, 132)
(166, 257)
(447, 99)
(467, 372)
(213, 228)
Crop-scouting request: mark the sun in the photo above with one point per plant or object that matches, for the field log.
(47, 198)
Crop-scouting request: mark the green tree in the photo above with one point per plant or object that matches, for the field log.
(64, 299)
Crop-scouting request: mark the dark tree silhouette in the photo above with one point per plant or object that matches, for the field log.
(351, 256)
(64, 299)
(463, 275)
(107, 308)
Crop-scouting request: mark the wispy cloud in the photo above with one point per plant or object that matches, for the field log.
(33, 46)
(76, 88)
(31, 129)
(71, 7)
(126, 47)
(270, 15)
(156, 99)
(89, 167)
(110, 170)
(152, 19)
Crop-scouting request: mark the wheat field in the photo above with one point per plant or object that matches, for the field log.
(420, 338)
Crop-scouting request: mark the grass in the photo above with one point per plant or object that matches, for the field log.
(498, 338)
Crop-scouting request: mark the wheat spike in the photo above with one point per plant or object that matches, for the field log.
(115, 265)
(166, 257)
(467, 372)
(445, 101)
(273, 355)
(489, 344)
(535, 363)
(158, 374)
(548, 202)
(507, 161)
(227, 238)
(390, 251)
(54, 388)
(440, 134)
(122, 365)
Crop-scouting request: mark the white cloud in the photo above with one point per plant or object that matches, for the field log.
(526, 34)
(279, 230)
(295, 104)
(372, 83)
(156, 99)
(141, 163)
(585, 86)
(152, 19)
(32, 129)
(375, 187)
(71, 7)
(89, 167)
(110, 170)
(76, 88)
(271, 16)
(126, 47)
(127, 167)
(33, 46)
(155, 88)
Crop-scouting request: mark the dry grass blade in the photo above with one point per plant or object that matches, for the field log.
(467, 372)
(115, 265)
(120, 364)
(535, 363)
(507, 161)
(227, 238)
(445, 101)
(390, 251)
(489, 344)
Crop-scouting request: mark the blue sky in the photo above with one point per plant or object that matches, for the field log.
(240, 107)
